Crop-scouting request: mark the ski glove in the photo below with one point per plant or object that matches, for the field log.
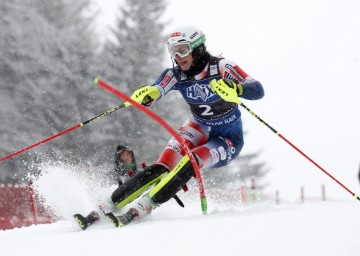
(227, 89)
(145, 95)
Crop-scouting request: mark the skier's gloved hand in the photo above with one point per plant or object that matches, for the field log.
(145, 95)
(227, 89)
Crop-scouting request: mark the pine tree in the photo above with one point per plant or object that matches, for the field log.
(45, 59)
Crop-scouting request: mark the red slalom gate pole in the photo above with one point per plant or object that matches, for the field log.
(32, 200)
(169, 129)
(298, 150)
(39, 143)
(62, 133)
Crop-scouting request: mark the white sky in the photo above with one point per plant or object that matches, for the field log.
(306, 54)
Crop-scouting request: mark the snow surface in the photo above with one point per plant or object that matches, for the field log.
(313, 228)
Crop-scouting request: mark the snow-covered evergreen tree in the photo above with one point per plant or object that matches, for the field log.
(43, 63)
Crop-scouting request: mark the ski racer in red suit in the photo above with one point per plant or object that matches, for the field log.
(213, 132)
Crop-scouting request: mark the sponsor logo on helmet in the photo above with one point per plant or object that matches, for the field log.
(175, 34)
(196, 43)
(193, 35)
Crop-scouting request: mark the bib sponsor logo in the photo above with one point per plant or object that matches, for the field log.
(202, 91)
(230, 119)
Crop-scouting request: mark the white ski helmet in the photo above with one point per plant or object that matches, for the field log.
(184, 40)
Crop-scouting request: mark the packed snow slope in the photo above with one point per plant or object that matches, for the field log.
(328, 228)
(313, 228)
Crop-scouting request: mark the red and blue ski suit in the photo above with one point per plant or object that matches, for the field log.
(214, 130)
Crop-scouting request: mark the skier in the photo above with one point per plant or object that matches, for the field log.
(125, 165)
(211, 87)
(124, 168)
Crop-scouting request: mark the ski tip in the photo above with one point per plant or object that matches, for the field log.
(96, 80)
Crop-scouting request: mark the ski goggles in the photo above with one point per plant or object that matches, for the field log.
(181, 49)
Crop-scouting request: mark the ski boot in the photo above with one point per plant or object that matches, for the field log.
(124, 219)
(85, 222)
(141, 208)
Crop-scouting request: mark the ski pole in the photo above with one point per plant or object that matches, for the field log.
(63, 132)
(297, 149)
(169, 129)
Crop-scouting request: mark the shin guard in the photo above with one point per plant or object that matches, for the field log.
(138, 184)
(172, 182)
